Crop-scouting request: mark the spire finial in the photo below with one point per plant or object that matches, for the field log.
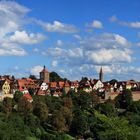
(101, 70)
(101, 74)
(44, 67)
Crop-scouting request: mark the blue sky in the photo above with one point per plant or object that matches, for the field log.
(72, 37)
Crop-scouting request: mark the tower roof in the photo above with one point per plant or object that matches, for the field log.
(101, 70)
(44, 69)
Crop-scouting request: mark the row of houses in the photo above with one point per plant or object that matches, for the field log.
(9, 85)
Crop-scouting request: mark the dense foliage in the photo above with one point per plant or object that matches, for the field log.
(69, 117)
(54, 77)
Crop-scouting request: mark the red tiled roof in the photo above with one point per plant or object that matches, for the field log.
(67, 84)
(53, 84)
(74, 83)
(28, 96)
(44, 70)
(61, 84)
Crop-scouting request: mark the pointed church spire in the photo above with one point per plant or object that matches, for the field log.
(44, 67)
(101, 75)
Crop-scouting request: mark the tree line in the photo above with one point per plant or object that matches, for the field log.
(72, 116)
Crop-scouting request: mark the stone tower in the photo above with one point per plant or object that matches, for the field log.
(45, 75)
(101, 75)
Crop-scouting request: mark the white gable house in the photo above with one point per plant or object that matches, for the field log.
(98, 85)
(44, 86)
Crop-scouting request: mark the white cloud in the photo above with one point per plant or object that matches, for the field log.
(108, 56)
(121, 40)
(77, 36)
(14, 18)
(12, 15)
(97, 24)
(105, 40)
(104, 49)
(59, 43)
(35, 70)
(113, 18)
(57, 26)
(16, 68)
(75, 53)
(132, 24)
(23, 37)
(55, 52)
(54, 63)
(36, 50)
(8, 48)
(135, 24)
(139, 34)
(118, 69)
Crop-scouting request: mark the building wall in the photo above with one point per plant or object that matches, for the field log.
(99, 84)
(45, 76)
(135, 95)
(6, 88)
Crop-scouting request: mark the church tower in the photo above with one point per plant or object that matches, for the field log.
(101, 75)
(45, 75)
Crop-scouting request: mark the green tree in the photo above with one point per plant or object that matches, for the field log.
(54, 77)
(59, 122)
(113, 81)
(13, 128)
(84, 79)
(134, 107)
(41, 111)
(7, 106)
(107, 109)
(124, 100)
(79, 123)
(114, 128)
(17, 96)
(67, 114)
(33, 77)
(94, 99)
(24, 107)
(31, 91)
(84, 100)
(68, 102)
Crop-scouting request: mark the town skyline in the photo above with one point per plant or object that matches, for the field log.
(73, 38)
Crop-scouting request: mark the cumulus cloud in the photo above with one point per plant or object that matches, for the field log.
(97, 24)
(77, 37)
(105, 40)
(12, 39)
(35, 50)
(107, 56)
(12, 15)
(104, 49)
(118, 69)
(59, 42)
(54, 63)
(113, 18)
(55, 52)
(35, 70)
(120, 40)
(57, 26)
(135, 24)
(108, 50)
(23, 37)
(8, 48)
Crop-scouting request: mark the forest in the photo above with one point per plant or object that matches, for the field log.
(72, 116)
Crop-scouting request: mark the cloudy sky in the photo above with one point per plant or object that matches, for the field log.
(72, 37)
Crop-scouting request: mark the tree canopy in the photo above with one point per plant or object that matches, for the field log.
(73, 116)
(54, 77)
